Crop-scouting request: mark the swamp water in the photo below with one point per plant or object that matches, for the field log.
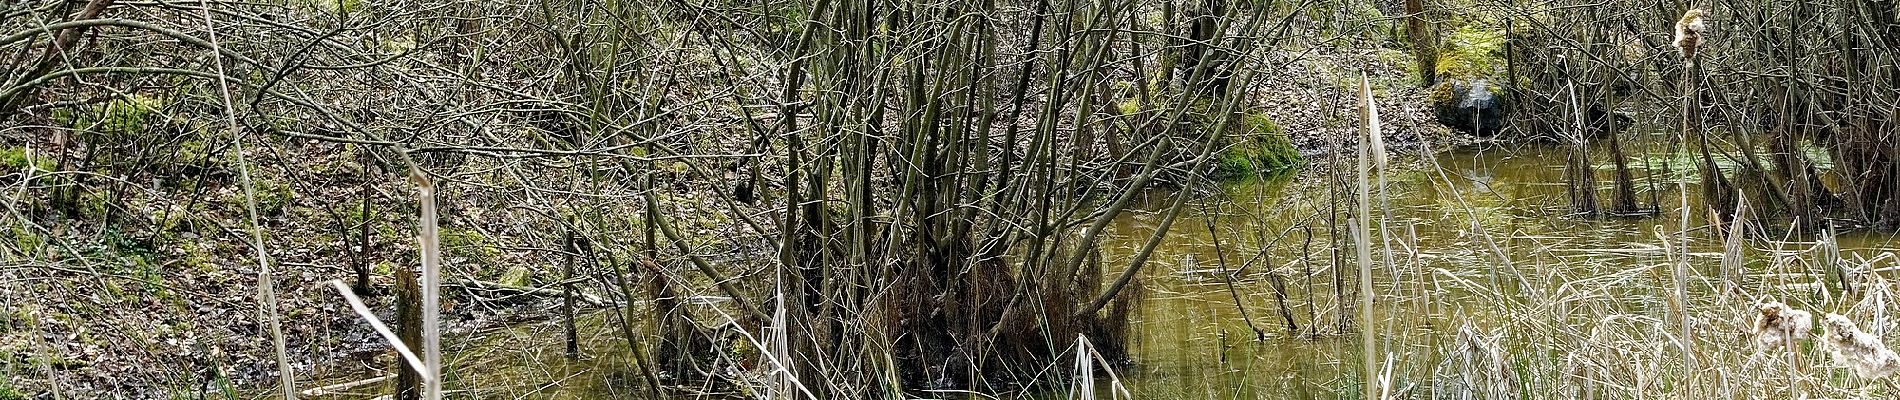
(1491, 288)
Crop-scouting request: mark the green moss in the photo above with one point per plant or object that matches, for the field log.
(24, 239)
(200, 261)
(95, 204)
(335, 6)
(469, 243)
(1131, 106)
(1260, 146)
(273, 197)
(387, 230)
(1254, 143)
(195, 157)
(16, 158)
(1471, 52)
(518, 275)
(125, 115)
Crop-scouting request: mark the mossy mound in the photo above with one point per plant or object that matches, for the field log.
(1259, 146)
(1470, 94)
(1252, 144)
(1472, 52)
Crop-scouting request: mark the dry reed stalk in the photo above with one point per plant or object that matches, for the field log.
(778, 361)
(1085, 360)
(1084, 370)
(266, 290)
(376, 324)
(779, 345)
(1371, 155)
(1679, 297)
(1861, 351)
(1477, 367)
(1732, 262)
(1833, 263)
(431, 286)
(1385, 379)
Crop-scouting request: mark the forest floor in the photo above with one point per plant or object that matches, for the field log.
(150, 294)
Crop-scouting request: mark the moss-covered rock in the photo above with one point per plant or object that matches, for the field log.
(518, 276)
(1252, 143)
(1258, 146)
(1470, 95)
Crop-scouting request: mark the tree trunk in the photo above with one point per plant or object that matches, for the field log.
(1424, 41)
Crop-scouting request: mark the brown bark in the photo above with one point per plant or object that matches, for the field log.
(409, 329)
(1424, 41)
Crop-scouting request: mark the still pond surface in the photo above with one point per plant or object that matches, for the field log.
(1480, 241)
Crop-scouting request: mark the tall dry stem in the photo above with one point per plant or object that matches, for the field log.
(362, 310)
(1371, 155)
(266, 290)
(431, 286)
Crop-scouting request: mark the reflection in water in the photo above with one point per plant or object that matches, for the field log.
(1475, 241)
(1481, 241)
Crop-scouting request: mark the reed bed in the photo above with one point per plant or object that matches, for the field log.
(855, 199)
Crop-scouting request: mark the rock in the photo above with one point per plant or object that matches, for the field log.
(1258, 147)
(518, 276)
(1475, 106)
(1470, 95)
(1253, 144)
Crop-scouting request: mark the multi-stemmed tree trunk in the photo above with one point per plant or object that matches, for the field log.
(900, 244)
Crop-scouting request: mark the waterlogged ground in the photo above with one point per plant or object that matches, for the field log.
(1487, 284)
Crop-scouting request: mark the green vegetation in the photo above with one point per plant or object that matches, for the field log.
(1254, 143)
(334, 6)
(16, 158)
(124, 115)
(7, 392)
(1259, 147)
(518, 275)
(273, 197)
(1472, 52)
(470, 243)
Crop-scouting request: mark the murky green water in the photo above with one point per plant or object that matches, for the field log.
(1478, 238)
(1526, 254)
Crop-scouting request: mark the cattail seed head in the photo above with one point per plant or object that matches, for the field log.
(1689, 32)
(1858, 350)
(1777, 325)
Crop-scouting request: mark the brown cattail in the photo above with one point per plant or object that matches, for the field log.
(1858, 350)
(1780, 326)
(1689, 32)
